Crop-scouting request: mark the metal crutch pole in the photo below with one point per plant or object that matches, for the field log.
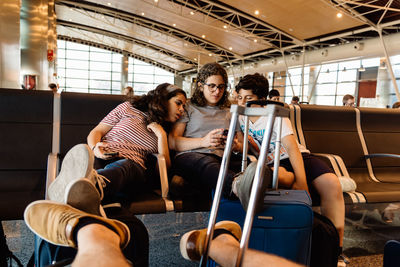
(245, 143)
(220, 184)
(259, 174)
(277, 154)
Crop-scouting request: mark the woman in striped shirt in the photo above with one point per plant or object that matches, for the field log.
(122, 141)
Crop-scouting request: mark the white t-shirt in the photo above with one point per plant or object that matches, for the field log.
(257, 129)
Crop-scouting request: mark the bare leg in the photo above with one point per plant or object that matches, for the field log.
(332, 203)
(286, 178)
(98, 245)
(224, 249)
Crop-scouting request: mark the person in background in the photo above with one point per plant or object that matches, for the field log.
(396, 105)
(295, 100)
(274, 95)
(53, 87)
(348, 101)
(128, 91)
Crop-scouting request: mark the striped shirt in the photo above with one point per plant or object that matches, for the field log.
(129, 135)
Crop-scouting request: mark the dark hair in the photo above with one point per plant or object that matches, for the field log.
(257, 83)
(155, 102)
(53, 86)
(396, 105)
(273, 93)
(295, 98)
(205, 72)
(347, 97)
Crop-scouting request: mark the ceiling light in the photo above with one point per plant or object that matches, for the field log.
(185, 44)
(225, 27)
(256, 12)
(142, 13)
(255, 40)
(109, 4)
(203, 36)
(191, 13)
(174, 25)
(290, 29)
(361, 69)
(210, 55)
(339, 15)
(195, 59)
(149, 41)
(156, 1)
(230, 48)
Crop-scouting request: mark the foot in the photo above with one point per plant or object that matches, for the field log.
(77, 163)
(83, 195)
(192, 243)
(56, 222)
(244, 181)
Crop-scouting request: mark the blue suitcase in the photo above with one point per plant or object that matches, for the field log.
(283, 228)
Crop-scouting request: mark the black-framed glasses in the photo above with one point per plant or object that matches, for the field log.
(213, 87)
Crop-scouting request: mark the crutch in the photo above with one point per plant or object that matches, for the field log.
(271, 111)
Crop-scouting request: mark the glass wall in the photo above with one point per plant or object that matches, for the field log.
(83, 68)
(326, 84)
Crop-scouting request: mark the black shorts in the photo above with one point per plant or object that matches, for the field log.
(314, 167)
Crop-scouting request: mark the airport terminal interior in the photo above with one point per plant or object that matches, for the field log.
(317, 50)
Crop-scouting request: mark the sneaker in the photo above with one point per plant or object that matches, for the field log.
(77, 163)
(83, 195)
(192, 243)
(243, 182)
(55, 222)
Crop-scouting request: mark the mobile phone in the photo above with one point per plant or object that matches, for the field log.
(225, 133)
(112, 154)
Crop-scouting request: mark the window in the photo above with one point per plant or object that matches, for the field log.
(88, 69)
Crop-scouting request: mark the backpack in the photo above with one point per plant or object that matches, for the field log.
(137, 250)
(325, 248)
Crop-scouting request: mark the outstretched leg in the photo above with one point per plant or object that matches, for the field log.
(332, 203)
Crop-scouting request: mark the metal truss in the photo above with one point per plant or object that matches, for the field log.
(128, 39)
(203, 45)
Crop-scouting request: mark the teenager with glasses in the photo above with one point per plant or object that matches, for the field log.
(198, 136)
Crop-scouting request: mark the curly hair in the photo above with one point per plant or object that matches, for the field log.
(205, 72)
(257, 83)
(155, 102)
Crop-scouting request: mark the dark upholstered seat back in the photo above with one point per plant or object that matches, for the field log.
(26, 119)
(333, 130)
(381, 130)
(80, 113)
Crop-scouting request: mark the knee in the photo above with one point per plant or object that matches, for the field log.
(328, 185)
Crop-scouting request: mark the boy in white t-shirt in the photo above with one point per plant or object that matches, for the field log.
(298, 168)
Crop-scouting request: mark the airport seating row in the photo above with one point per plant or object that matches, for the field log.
(37, 128)
(362, 143)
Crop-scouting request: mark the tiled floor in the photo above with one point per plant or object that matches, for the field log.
(364, 237)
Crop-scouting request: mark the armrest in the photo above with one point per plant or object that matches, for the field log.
(162, 168)
(52, 167)
(382, 155)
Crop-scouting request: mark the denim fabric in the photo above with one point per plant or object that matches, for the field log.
(125, 175)
(203, 169)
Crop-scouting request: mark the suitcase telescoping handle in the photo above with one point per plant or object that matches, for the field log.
(271, 111)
